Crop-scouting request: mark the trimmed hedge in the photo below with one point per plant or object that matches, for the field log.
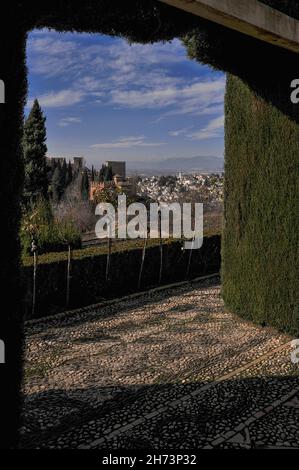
(260, 241)
(88, 284)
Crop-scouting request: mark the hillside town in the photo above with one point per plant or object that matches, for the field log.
(202, 187)
(61, 193)
(112, 177)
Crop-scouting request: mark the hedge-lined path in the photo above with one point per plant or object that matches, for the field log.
(169, 369)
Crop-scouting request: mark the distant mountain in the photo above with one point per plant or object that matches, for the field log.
(205, 164)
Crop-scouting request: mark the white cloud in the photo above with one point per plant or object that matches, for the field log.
(123, 75)
(67, 121)
(189, 97)
(179, 132)
(59, 99)
(127, 142)
(52, 56)
(212, 130)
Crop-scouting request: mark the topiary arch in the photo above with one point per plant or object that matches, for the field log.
(252, 174)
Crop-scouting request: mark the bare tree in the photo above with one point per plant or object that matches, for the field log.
(73, 208)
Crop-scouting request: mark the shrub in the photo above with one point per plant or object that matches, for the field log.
(49, 235)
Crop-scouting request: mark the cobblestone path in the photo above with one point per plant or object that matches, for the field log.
(168, 369)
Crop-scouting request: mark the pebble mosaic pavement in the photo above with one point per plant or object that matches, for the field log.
(167, 369)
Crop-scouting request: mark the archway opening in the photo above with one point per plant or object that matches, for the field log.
(237, 54)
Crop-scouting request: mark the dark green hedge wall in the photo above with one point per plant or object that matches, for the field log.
(260, 241)
(88, 284)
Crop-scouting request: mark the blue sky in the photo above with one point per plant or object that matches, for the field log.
(107, 99)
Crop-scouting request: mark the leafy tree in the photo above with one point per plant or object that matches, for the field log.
(162, 180)
(106, 173)
(50, 234)
(34, 152)
(109, 195)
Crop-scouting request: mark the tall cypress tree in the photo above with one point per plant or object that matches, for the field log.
(69, 174)
(109, 173)
(85, 186)
(57, 184)
(34, 152)
(64, 175)
(102, 174)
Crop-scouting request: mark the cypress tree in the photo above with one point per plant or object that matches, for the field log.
(92, 174)
(34, 153)
(102, 174)
(109, 173)
(57, 184)
(69, 174)
(64, 175)
(85, 186)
